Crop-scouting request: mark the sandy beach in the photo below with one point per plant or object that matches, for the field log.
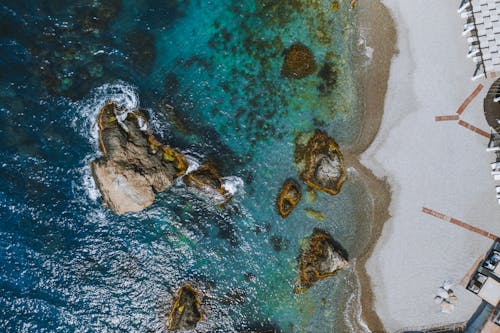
(376, 27)
(440, 165)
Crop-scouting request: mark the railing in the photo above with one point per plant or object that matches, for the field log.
(440, 328)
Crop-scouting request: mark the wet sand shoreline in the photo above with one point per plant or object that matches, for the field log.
(378, 29)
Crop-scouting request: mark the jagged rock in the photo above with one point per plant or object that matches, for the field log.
(320, 163)
(288, 198)
(206, 179)
(134, 165)
(185, 313)
(320, 257)
(299, 62)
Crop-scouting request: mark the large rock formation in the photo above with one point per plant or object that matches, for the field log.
(185, 313)
(134, 165)
(320, 163)
(299, 62)
(288, 198)
(320, 257)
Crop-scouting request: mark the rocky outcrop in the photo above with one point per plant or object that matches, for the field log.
(320, 163)
(320, 257)
(185, 313)
(288, 198)
(299, 62)
(207, 181)
(134, 165)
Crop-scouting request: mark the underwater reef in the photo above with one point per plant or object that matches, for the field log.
(299, 62)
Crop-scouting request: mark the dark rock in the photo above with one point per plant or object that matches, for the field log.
(186, 311)
(320, 257)
(135, 165)
(320, 163)
(299, 62)
(98, 15)
(328, 76)
(288, 198)
(279, 243)
(207, 181)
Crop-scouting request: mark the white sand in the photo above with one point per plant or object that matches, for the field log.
(440, 165)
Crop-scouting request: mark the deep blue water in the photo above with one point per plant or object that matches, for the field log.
(68, 264)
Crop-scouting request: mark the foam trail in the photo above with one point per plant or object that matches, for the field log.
(194, 163)
(352, 314)
(89, 184)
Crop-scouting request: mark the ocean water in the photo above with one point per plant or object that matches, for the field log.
(208, 74)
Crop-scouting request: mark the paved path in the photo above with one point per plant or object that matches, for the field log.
(469, 99)
(474, 128)
(459, 223)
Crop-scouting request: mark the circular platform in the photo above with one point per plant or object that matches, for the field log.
(492, 108)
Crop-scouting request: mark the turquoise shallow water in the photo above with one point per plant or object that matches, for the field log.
(67, 263)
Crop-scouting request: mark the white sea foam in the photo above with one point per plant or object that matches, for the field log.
(233, 185)
(353, 311)
(194, 163)
(89, 184)
(368, 50)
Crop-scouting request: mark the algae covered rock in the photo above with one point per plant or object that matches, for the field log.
(134, 166)
(186, 312)
(207, 181)
(299, 62)
(288, 198)
(320, 257)
(314, 214)
(320, 163)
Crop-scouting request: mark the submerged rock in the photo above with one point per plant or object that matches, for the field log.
(97, 15)
(279, 243)
(320, 257)
(299, 62)
(288, 198)
(206, 179)
(328, 77)
(314, 214)
(134, 165)
(185, 313)
(141, 48)
(321, 164)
